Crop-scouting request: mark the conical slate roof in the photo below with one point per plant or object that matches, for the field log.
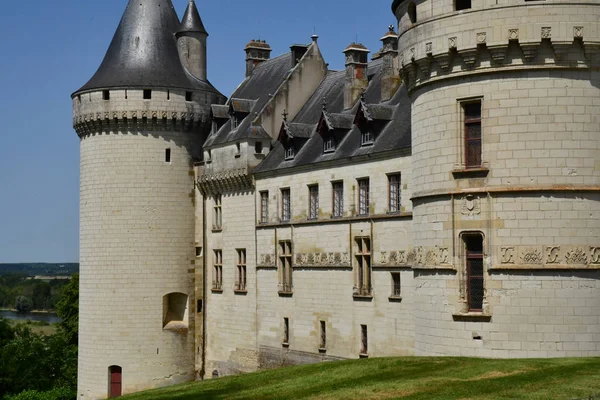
(191, 20)
(143, 52)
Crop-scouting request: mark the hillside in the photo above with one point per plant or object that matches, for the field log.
(36, 269)
(404, 378)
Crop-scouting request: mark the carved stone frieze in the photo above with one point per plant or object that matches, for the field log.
(507, 255)
(576, 255)
(444, 255)
(513, 34)
(578, 32)
(546, 32)
(267, 259)
(321, 259)
(531, 256)
(431, 257)
(553, 255)
(595, 255)
(481, 37)
(471, 205)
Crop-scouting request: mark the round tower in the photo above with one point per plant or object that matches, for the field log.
(506, 174)
(191, 39)
(141, 120)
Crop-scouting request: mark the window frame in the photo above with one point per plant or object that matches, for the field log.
(471, 256)
(217, 270)
(286, 259)
(217, 212)
(329, 144)
(364, 201)
(468, 122)
(397, 196)
(337, 193)
(313, 202)
(286, 204)
(241, 272)
(367, 138)
(289, 152)
(364, 267)
(396, 285)
(264, 207)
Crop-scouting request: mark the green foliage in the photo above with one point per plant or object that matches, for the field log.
(68, 309)
(415, 378)
(54, 394)
(23, 304)
(7, 333)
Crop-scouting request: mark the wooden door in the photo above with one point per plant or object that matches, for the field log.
(116, 381)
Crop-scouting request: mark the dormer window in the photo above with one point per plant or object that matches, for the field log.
(328, 144)
(234, 122)
(366, 138)
(290, 152)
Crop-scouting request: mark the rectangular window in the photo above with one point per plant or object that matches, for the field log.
(313, 206)
(363, 273)
(264, 207)
(396, 285)
(106, 95)
(217, 212)
(289, 152)
(364, 340)
(188, 96)
(363, 196)
(366, 138)
(286, 331)
(240, 284)
(167, 155)
(338, 199)
(472, 118)
(285, 267)
(285, 205)
(218, 270)
(394, 184)
(328, 144)
(474, 264)
(147, 94)
(462, 4)
(258, 148)
(323, 341)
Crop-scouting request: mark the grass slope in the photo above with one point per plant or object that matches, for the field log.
(403, 378)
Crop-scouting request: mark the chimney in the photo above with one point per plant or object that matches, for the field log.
(390, 78)
(257, 51)
(298, 51)
(356, 73)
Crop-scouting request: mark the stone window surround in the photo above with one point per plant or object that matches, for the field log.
(460, 169)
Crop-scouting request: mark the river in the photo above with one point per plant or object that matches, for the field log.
(48, 317)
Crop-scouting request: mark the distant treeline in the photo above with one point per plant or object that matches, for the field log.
(20, 292)
(36, 269)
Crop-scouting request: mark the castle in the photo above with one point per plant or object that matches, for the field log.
(439, 198)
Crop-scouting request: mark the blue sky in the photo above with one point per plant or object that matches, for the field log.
(51, 48)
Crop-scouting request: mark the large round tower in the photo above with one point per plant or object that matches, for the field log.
(506, 168)
(141, 119)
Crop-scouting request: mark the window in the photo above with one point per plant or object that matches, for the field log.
(474, 266)
(188, 96)
(472, 118)
(396, 285)
(217, 212)
(198, 251)
(285, 263)
(366, 138)
(328, 144)
(363, 196)
(323, 336)
(338, 199)
(289, 152)
(285, 205)
(264, 207)
(462, 4)
(175, 311)
(412, 12)
(240, 285)
(286, 331)
(167, 155)
(364, 340)
(258, 148)
(313, 206)
(238, 149)
(394, 183)
(234, 122)
(147, 94)
(168, 95)
(218, 271)
(363, 273)
(106, 95)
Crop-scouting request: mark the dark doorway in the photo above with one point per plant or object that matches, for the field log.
(116, 381)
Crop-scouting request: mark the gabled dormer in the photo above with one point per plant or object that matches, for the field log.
(370, 119)
(293, 136)
(332, 128)
(220, 116)
(239, 109)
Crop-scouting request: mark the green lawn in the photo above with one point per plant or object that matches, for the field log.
(404, 378)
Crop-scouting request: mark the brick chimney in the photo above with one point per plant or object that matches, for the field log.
(257, 51)
(356, 73)
(390, 77)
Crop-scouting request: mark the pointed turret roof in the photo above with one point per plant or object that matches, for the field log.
(191, 20)
(143, 52)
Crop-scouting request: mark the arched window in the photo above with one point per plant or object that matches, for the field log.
(115, 376)
(175, 311)
(412, 12)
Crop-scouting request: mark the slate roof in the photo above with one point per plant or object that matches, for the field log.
(392, 119)
(191, 21)
(143, 52)
(251, 96)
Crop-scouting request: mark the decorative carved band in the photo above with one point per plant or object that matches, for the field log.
(322, 259)
(549, 255)
(219, 182)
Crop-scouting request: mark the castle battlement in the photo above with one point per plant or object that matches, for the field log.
(508, 36)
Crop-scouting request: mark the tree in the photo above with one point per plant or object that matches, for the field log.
(41, 295)
(68, 309)
(23, 304)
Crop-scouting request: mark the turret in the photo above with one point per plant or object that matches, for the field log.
(191, 40)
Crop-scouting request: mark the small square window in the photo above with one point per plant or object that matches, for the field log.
(462, 4)
(106, 94)
(366, 138)
(147, 94)
(328, 144)
(289, 152)
(188, 96)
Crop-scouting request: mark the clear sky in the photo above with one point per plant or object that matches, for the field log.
(50, 48)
